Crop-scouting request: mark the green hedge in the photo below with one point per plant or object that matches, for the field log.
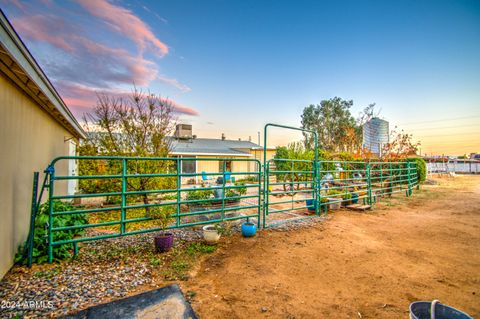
(421, 167)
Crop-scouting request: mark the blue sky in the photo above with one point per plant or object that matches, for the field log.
(232, 66)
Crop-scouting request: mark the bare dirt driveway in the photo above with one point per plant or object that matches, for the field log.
(353, 265)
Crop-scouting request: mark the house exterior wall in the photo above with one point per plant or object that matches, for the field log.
(29, 139)
(258, 154)
(213, 166)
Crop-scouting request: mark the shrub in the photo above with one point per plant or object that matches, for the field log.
(240, 190)
(248, 179)
(162, 215)
(40, 241)
(335, 192)
(199, 195)
(347, 196)
(421, 167)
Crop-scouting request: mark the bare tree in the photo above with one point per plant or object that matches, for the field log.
(134, 126)
(400, 146)
(138, 125)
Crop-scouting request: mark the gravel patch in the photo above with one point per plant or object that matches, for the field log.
(296, 224)
(103, 270)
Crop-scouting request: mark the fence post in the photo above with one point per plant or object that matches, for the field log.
(259, 199)
(51, 172)
(222, 213)
(409, 191)
(179, 194)
(33, 211)
(316, 189)
(369, 185)
(124, 200)
(265, 192)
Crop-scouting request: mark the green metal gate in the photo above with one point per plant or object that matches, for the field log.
(190, 198)
(291, 187)
(125, 194)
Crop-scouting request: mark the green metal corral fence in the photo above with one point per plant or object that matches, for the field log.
(130, 181)
(123, 195)
(290, 186)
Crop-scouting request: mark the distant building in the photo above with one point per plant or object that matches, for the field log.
(375, 135)
(185, 144)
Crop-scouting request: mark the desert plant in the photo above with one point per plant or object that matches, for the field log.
(224, 228)
(162, 215)
(241, 190)
(231, 193)
(199, 195)
(334, 192)
(347, 196)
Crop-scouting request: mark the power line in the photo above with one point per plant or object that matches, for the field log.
(468, 133)
(442, 127)
(450, 145)
(442, 120)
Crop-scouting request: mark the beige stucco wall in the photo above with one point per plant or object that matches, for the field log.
(237, 166)
(29, 139)
(212, 166)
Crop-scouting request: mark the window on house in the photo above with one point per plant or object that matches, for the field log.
(228, 166)
(188, 167)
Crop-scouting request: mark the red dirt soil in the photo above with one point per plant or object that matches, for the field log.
(353, 265)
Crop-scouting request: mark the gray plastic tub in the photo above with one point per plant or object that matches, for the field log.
(422, 310)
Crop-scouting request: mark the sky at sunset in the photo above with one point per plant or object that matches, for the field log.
(233, 66)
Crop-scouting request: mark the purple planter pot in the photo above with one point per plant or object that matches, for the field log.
(163, 242)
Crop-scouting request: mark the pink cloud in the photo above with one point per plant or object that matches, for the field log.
(94, 62)
(183, 109)
(126, 23)
(43, 28)
(135, 68)
(16, 3)
(174, 82)
(82, 98)
(81, 66)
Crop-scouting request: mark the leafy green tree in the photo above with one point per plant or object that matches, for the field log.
(332, 121)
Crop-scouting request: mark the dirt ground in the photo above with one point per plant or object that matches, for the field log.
(354, 265)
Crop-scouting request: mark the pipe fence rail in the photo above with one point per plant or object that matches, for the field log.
(290, 191)
(132, 195)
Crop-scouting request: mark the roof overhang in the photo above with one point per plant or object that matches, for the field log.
(260, 148)
(210, 154)
(17, 63)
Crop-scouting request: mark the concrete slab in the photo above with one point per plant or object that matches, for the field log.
(164, 303)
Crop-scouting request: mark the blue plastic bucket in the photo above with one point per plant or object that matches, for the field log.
(354, 198)
(311, 205)
(421, 310)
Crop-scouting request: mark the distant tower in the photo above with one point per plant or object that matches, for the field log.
(375, 135)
